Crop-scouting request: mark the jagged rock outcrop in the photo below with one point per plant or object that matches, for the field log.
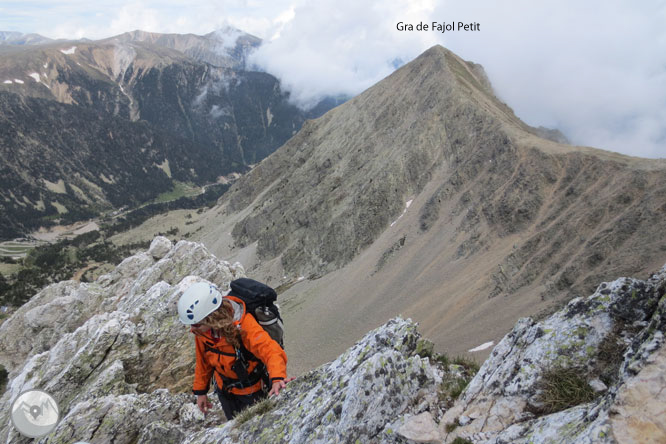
(114, 344)
(617, 334)
(121, 369)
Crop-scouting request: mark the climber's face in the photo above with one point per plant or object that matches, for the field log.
(201, 328)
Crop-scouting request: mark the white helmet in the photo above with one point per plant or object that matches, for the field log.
(198, 301)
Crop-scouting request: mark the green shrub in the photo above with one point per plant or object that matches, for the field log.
(460, 440)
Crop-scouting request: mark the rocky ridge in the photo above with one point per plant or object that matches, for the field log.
(227, 47)
(119, 364)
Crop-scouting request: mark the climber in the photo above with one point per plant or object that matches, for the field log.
(245, 360)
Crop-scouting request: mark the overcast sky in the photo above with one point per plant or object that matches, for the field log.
(595, 69)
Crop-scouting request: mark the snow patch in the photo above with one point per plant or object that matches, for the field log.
(300, 278)
(8, 82)
(69, 51)
(35, 76)
(46, 65)
(19, 81)
(407, 204)
(482, 347)
(217, 111)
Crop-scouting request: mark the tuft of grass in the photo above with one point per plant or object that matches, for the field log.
(457, 387)
(610, 355)
(443, 359)
(257, 409)
(469, 364)
(450, 427)
(562, 388)
(451, 388)
(454, 384)
(460, 440)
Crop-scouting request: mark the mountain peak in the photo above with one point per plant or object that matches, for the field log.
(18, 38)
(427, 185)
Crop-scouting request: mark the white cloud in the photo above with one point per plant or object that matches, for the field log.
(339, 47)
(596, 69)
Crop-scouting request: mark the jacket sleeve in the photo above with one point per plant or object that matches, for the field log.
(259, 342)
(202, 369)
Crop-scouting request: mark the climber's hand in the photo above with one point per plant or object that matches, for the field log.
(203, 403)
(277, 386)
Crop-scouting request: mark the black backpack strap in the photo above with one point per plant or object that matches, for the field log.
(214, 350)
(240, 366)
(253, 377)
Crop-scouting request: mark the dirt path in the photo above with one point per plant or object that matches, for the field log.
(79, 274)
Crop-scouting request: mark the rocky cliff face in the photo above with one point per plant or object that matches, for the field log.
(118, 362)
(150, 107)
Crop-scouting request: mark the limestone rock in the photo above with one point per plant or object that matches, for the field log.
(498, 399)
(159, 247)
(639, 412)
(352, 398)
(421, 428)
(119, 364)
(108, 349)
(598, 385)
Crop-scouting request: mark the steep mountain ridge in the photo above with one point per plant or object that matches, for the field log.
(426, 195)
(227, 47)
(119, 364)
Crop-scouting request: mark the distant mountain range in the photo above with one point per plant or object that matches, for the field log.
(18, 38)
(88, 126)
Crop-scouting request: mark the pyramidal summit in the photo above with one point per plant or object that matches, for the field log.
(425, 195)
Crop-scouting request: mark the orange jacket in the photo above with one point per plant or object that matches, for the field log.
(255, 339)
